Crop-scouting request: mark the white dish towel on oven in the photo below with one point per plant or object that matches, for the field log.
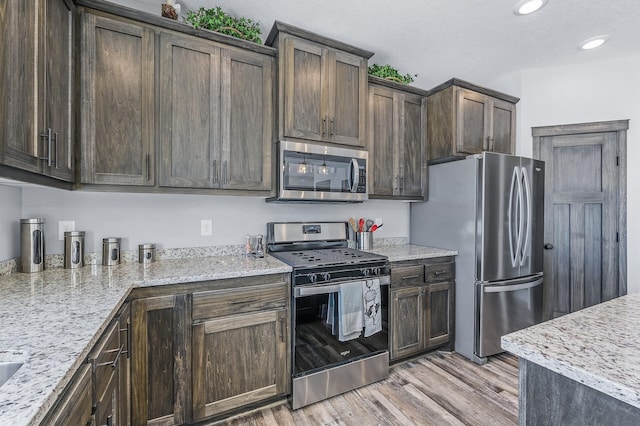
(350, 311)
(372, 307)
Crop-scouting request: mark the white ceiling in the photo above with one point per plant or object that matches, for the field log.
(476, 40)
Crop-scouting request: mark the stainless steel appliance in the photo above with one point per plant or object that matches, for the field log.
(325, 362)
(489, 207)
(32, 245)
(314, 172)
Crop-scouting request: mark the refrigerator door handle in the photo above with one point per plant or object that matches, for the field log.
(527, 231)
(520, 219)
(513, 250)
(515, 287)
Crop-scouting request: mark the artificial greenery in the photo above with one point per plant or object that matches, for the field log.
(215, 19)
(390, 73)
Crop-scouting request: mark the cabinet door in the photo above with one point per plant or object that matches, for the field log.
(305, 110)
(238, 360)
(18, 74)
(503, 127)
(117, 102)
(247, 120)
(161, 360)
(58, 81)
(75, 405)
(383, 143)
(407, 333)
(439, 316)
(472, 122)
(347, 98)
(412, 159)
(189, 112)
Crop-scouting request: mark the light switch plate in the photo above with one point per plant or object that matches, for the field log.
(65, 226)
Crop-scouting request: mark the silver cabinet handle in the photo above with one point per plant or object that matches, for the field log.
(332, 127)
(410, 277)
(113, 363)
(47, 135)
(147, 160)
(225, 176)
(323, 129)
(55, 149)
(215, 172)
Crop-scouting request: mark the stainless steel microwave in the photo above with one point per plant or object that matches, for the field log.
(315, 172)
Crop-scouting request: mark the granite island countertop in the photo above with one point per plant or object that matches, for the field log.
(398, 253)
(598, 346)
(50, 320)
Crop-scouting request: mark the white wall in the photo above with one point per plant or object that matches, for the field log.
(10, 215)
(596, 91)
(173, 221)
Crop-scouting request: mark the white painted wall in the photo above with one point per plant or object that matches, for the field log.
(10, 215)
(173, 221)
(595, 91)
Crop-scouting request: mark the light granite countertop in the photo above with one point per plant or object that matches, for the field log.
(397, 253)
(598, 346)
(50, 320)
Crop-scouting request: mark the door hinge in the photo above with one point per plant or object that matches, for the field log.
(617, 160)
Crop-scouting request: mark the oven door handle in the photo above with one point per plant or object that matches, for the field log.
(313, 290)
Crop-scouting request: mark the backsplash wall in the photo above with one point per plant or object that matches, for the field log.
(10, 214)
(173, 221)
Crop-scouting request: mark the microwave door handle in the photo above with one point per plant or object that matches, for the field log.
(355, 175)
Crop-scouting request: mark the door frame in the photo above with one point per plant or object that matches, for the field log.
(619, 127)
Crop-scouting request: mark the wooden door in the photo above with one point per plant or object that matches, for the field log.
(305, 109)
(189, 112)
(161, 360)
(19, 135)
(471, 121)
(247, 120)
(383, 142)
(58, 81)
(407, 316)
(502, 127)
(117, 102)
(347, 86)
(584, 211)
(412, 144)
(238, 360)
(439, 315)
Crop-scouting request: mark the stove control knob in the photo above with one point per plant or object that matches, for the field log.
(365, 272)
(312, 278)
(326, 276)
(376, 271)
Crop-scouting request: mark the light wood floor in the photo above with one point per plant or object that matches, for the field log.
(437, 389)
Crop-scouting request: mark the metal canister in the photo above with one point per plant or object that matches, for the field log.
(32, 245)
(146, 253)
(73, 249)
(110, 251)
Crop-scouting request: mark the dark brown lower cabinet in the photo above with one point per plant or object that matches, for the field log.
(75, 407)
(421, 306)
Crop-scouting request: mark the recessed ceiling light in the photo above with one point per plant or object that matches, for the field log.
(593, 42)
(525, 7)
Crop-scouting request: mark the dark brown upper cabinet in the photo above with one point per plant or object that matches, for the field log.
(464, 119)
(37, 87)
(397, 141)
(322, 87)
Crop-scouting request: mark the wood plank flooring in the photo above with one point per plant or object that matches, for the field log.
(437, 389)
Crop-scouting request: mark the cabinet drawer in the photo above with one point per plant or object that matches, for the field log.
(439, 272)
(219, 303)
(409, 275)
(104, 360)
(75, 406)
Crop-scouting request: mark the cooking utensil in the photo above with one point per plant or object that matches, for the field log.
(352, 222)
(373, 228)
(368, 224)
(361, 225)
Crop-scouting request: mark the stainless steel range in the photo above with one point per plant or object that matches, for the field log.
(340, 309)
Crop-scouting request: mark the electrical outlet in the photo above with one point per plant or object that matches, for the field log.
(205, 227)
(65, 226)
(378, 221)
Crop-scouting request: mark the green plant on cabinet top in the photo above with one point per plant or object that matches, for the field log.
(215, 19)
(390, 73)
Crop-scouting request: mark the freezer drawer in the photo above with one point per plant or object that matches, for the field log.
(505, 307)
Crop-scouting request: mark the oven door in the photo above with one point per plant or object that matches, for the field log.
(316, 340)
(311, 172)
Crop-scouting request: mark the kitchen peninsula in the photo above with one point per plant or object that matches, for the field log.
(582, 368)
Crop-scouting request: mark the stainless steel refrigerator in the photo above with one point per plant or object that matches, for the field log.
(488, 207)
